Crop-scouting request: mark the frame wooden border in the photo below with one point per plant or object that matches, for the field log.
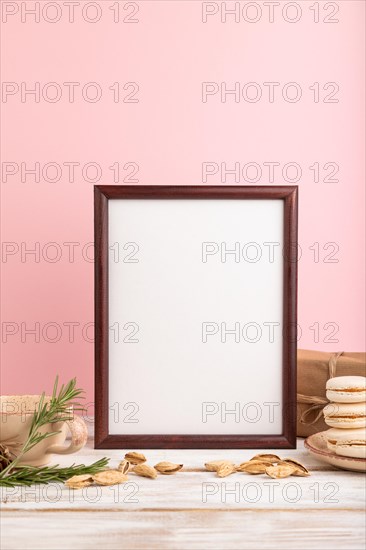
(103, 440)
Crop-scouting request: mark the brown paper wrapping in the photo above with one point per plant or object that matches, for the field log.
(314, 368)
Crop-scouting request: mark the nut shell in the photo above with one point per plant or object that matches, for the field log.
(226, 469)
(135, 458)
(273, 459)
(124, 466)
(253, 467)
(109, 477)
(214, 465)
(168, 468)
(145, 470)
(300, 469)
(79, 481)
(280, 471)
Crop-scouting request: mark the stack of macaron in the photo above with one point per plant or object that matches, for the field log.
(346, 414)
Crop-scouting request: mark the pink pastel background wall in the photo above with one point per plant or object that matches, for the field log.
(158, 127)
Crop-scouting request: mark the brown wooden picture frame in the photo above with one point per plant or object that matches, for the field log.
(105, 440)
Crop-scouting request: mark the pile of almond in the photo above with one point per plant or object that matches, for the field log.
(269, 464)
(132, 462)
(135, 463)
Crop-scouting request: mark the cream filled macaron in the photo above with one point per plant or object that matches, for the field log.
(346, 389)
(350, 443)
(345, 415)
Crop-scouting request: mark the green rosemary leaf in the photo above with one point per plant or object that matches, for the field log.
(31, 475)
(57, 410)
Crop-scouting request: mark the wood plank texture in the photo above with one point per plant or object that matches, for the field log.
(196, 530)
(192, 509)
(199, 491)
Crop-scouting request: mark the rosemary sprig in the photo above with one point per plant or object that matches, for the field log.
(58, 409)
(29, 475)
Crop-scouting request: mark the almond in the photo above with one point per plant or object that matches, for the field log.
(79, 481)
(225, 469)
(109, 477)
(280, 471)
(135, 458)
(267, 458)
(300, 470)
(253, 467)
(145, 470)
(168, 468)
(214, 465)
(124, 466)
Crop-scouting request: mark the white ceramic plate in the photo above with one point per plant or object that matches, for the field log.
(317, 445)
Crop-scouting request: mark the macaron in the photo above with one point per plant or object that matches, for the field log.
(350, 443)
(345, 415)
(346, 389)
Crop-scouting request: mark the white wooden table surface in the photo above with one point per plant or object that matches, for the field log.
(193, 509)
